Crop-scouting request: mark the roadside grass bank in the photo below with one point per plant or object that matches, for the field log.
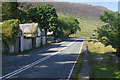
(101, 64)
(78, 66)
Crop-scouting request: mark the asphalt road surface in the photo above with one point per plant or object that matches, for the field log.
(54, 61)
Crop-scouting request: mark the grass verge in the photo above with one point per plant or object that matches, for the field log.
(107, 69)
(78, 66)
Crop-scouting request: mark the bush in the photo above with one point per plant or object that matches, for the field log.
(10, 29)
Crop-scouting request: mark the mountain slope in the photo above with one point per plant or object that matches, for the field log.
(76, 9)
(88, 15)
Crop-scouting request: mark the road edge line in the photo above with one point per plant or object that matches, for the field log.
(71, 71)
(33, 63)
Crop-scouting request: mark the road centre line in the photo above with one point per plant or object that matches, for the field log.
(33, 64)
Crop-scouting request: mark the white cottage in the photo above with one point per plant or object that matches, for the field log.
(33, 36)
(30, 36)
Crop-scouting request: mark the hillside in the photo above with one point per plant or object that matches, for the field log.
(76, 9)
(88, 15)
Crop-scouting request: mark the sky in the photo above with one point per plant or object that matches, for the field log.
(109, 4)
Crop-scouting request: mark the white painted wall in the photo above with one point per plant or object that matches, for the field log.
(22, 44)
(11, 48)
(27, 43)
(17, 45)
(39, 32)
(38, 41)
(43, 40)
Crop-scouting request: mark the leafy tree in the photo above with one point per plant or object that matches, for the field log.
(50, 18)
(15, 10)
(109, 34)
(73, 25)
(10, 29)
(22, 16)
(24, 6)
(68, 25)
(9, 10)
(45, 15)
(35, 14)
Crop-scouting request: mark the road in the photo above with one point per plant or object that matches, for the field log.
(54, 61)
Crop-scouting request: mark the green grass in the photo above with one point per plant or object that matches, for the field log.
(78, 66)
(99, 48)
(87, 27)
(108, 69)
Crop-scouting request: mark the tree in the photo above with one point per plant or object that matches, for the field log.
(15, 10)
(10, 29)
(68, 26)
(23, 12)
(109, 34)
(9, 10)
(24, 6)
(36, 14)
(45, 15)
(50, 18)
(73, 25)
(22, 16)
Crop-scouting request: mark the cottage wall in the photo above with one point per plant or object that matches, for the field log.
(17, 45)
(22, 44)
(27, 43)
(39, 32)
(12, 48)
(38, 41)
(43, 40)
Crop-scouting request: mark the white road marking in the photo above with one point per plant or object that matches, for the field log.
(71, 71)
(32, 64)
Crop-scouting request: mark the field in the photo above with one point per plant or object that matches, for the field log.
(87, 27)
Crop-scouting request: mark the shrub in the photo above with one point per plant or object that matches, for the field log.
(10, 29)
